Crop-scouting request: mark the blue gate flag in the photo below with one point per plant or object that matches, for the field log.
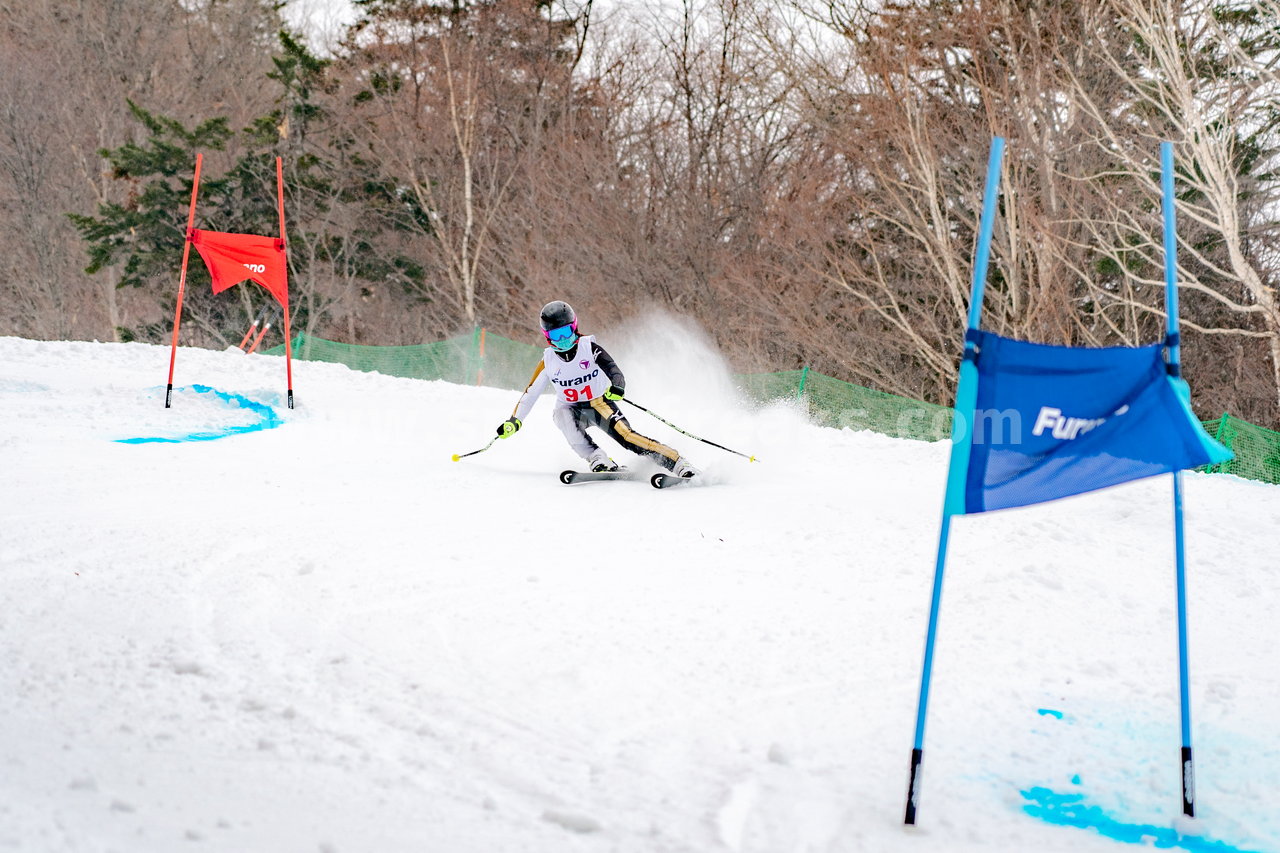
(1052, 421)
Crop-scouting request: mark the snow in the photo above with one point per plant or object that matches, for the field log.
(319, 633)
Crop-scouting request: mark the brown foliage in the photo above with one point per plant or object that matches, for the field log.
(68, 70)
(803, 180)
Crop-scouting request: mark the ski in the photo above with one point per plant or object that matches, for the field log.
(667, 481)
(658, 481)
(570, 477)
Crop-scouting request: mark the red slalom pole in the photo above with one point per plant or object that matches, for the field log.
(258, 339)
(248, 334)
(253, 327)
(288, 347)
(182, 281)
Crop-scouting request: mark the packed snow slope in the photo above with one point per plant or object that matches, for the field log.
(231, 626)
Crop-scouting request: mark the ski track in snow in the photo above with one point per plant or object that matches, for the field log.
(327, 636)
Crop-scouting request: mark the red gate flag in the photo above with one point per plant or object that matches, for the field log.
(232, 258)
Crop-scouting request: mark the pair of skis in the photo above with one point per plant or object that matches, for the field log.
(658, 481)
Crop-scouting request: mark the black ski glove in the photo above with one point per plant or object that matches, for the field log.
(508, 428)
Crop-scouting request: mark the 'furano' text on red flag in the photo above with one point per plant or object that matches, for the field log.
(232, 258)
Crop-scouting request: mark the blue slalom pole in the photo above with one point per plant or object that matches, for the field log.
(990, 196)
(1179, 547)
(1188, 763)
(961, 437)
(1170, 257)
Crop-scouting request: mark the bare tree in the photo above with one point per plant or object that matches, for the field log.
(459, 100)
(1204, 76)
(60, 112)
(905, 112)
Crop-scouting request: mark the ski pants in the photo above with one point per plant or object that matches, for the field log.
(574, 420)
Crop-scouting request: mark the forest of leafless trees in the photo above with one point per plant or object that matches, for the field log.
(802, 178)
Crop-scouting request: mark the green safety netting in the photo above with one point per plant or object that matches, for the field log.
(843, 405)
(1257, 448)
(476, 359)
(495, 361)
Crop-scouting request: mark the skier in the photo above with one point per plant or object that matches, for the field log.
(588, 386)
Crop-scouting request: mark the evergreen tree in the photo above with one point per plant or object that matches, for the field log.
(341, 213)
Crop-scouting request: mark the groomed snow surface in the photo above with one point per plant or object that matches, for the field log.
(310, 630)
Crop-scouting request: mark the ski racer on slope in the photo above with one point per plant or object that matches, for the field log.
(588, 386)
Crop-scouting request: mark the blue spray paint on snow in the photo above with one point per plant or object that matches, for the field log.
(267, 419)
(1071, 810)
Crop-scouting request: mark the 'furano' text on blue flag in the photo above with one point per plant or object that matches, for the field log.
(1053, 421)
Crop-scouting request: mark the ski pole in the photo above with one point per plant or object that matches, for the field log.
(458, 456)
(683, 432)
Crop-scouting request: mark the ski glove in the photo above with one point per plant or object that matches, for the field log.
(509, 427)
(614, 393)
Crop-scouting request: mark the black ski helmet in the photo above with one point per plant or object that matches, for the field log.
(558, 315)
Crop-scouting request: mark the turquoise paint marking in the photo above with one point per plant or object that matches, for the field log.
(1071, 810)
(267, 419)
(1075, 780)
(1049, 712)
